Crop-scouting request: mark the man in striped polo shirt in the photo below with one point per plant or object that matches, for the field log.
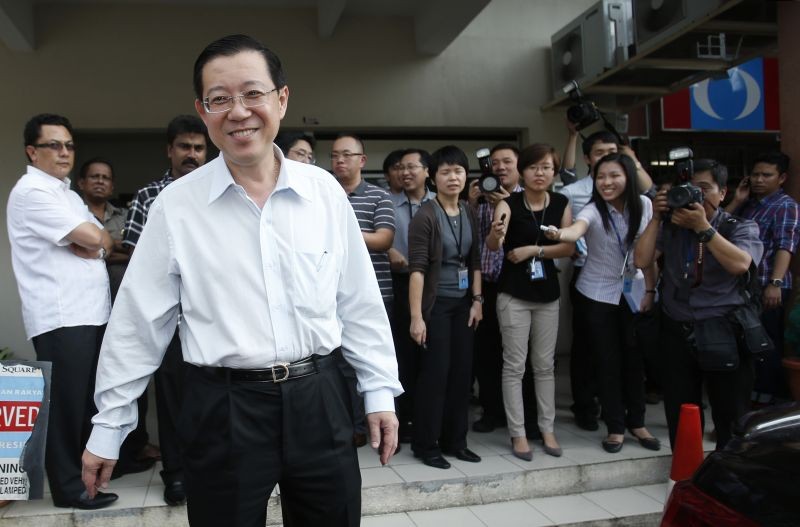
(375, 214)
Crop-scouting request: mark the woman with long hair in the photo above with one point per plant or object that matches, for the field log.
(611, 223)
(528, 299)
(446, 305)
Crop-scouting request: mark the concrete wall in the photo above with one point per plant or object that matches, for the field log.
(128, 69)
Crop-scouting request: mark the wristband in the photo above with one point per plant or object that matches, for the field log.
(651, 291)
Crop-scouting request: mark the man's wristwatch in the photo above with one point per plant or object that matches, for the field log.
(101, 255)
(478, 298)
(777, 282)
(706, 235)
(541, 252)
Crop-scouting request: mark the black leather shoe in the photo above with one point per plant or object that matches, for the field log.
(464, 454)
(436, 461)
(484, 425)
(84, 503)
(174, 493)
(586, 422)
(132, 467)
(612, 447)
(650, 443)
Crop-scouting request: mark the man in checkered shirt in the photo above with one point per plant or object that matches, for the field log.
(186, 150)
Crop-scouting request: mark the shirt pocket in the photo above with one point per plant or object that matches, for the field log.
(316, 277)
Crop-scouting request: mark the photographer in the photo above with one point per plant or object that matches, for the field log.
(705, 251)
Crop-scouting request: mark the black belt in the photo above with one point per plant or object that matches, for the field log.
(278, 373)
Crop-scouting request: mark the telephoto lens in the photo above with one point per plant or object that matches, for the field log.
(488, 182)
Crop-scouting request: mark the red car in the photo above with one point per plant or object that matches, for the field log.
(754, 481)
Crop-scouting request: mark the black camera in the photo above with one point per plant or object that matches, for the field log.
(488, 182)
(683, 193)
(583, 112)
(681, 196)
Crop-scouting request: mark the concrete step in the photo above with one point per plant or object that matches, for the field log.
(407, 487)
(630, 506)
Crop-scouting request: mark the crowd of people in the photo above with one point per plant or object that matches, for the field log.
(254, 255)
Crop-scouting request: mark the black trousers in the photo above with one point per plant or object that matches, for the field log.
(406, 350)
(445, 372)
(618, 362)
(489, 364)
(241, 438)
(73, 352)
(769, 375)
(728, 392)
(582, 374)
(169, 380)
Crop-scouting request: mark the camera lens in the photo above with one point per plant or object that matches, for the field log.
(489, 183)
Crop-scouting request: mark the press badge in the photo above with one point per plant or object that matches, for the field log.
(536, 270)
(463, 278)
(627, 284)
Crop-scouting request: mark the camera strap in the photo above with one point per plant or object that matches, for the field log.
(689, 258)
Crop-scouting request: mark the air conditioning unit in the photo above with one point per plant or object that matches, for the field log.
(658, 20)
(595, 41)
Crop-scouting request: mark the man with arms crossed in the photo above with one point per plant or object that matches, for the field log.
(266, 263)
(57, 251)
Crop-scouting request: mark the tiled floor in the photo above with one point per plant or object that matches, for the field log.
(580, 447)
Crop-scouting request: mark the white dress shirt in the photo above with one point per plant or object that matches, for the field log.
(579, 194)
(57, 288)
(600, 279)
(255, 287)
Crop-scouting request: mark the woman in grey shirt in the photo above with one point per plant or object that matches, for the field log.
(446, 306)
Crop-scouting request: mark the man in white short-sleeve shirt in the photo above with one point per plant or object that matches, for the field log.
(57, 252)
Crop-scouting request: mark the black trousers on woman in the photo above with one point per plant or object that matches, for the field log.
(441, 404)
(240, 438)
(618, 362)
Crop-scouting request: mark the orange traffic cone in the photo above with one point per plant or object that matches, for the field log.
(688, 453)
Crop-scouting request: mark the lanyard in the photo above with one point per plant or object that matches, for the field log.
(535, 221)
(460, 228)
(623, 249)
(411, 208)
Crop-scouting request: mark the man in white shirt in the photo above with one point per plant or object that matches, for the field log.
(57, 251)
(264, 259)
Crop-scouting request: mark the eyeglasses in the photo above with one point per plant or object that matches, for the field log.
(541, 168)
(99, 177)
(410, 168)
(57, 146)
(303, 154)
(224, 103)
(344, 155)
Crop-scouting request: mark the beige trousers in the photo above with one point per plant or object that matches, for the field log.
(526, 324)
